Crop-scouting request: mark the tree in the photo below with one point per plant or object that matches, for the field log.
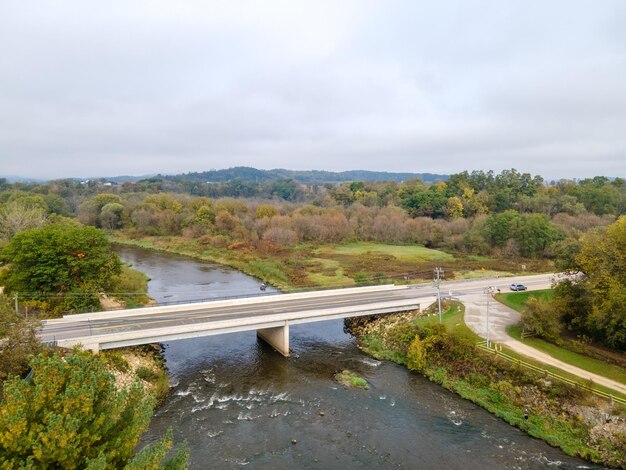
(419, 201)
(62, 265)
(70, 414)
(539, 319)
(593, 301)
(454, 207)
(111, 216)
(18, 340)
(534, 234)
(16, 216)
(603, 261)
(498, 227)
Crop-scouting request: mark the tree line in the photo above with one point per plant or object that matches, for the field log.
(509, 214)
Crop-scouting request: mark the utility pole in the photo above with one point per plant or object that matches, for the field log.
(438, 276)
(488, 291)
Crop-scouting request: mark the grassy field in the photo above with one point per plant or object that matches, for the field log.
(452, 319)
(399, 252)
(517, 300)
(587, 363)
(562, 373)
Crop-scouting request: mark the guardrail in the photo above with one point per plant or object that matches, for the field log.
(612, 398)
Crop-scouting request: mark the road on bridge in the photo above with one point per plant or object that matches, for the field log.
(475, 294)
(277, 306)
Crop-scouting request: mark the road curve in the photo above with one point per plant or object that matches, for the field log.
(480, 305)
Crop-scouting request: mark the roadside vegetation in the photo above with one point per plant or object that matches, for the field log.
(563, 416)
(604, 367)
(568, 349)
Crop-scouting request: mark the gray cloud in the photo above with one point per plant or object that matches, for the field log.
(157, 86)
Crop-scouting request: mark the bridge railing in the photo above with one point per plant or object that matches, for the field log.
(224, 297)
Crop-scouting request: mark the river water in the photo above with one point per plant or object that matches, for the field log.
(240, 404)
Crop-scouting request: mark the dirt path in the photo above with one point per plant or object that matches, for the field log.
(480, 306)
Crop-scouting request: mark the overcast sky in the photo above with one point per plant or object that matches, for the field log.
(139, 87)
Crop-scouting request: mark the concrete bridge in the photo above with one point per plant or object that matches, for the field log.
(270, 316)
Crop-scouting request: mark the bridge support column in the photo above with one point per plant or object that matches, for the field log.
(277, 337)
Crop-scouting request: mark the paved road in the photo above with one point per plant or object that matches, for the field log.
(102, 323)
(201, 316)
(479, 305)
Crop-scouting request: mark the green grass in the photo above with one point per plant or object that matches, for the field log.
(401, 252)
(452, 319)
(131, 287)
(610, 371)
(517, 300)
(562, 373)
(481, 273)
(350, 379)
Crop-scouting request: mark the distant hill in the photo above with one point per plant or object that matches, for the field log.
(19, 179)
(304, 177)
(126, 178)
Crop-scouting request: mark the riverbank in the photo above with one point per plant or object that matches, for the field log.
(577, 422)
(295, 267)
(143, 363)
(268, 274)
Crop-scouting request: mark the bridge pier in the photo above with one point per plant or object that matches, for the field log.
(277, 337)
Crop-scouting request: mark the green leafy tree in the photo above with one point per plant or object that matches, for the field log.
(70, 414)
(593, 302)
(541, 320)
(111, 216)
(598, 195)
(62, 265)
(534, 234)
(498, 227)
(603, 261)
(420, 201)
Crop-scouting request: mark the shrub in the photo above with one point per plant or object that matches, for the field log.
(539, 319)
(416, 355)
(147, 374)
(115, 360)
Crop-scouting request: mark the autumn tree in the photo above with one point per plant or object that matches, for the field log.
(70, 414)
(541, 320)
(91, 210)
(18, 340)
(17, 216)
(603, 261)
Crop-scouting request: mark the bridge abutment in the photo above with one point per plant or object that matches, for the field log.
(276, 337)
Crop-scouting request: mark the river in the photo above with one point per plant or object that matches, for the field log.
(240, 404)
